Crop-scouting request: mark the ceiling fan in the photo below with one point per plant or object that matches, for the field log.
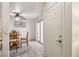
(18, 15)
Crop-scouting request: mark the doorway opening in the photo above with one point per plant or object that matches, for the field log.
(24, 21)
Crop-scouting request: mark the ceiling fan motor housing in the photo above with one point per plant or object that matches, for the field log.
(17, 15)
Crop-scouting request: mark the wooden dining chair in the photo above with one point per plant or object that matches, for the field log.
(1, 40)
(24, 39)
(14, 40)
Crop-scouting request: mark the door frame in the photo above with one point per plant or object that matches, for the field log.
(67, 30)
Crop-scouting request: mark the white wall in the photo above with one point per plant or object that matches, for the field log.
(0, 22)
(75, 29)
(30, 27)
(0, 16)
(75, 22)
(5, 29)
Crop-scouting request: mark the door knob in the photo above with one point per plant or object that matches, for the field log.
(60, 41)
(60, 36)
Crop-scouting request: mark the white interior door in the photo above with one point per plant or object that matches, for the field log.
(53, 27)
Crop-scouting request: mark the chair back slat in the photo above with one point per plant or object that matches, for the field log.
(14, 35)
(27, 35)
(0, 36)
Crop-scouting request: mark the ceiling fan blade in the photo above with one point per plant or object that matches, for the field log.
(23, 17)
(12, 14)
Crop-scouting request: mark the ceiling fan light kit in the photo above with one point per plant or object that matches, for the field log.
(17, 18)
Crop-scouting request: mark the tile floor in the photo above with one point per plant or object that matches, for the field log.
(35, 49)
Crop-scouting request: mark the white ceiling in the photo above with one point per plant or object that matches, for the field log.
(31, 9)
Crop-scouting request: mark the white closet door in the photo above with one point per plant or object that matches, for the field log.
(53, 18)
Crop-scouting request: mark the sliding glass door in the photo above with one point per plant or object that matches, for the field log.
(41, 25)
(40, 31)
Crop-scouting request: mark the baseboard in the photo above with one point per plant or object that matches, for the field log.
(39, 42)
